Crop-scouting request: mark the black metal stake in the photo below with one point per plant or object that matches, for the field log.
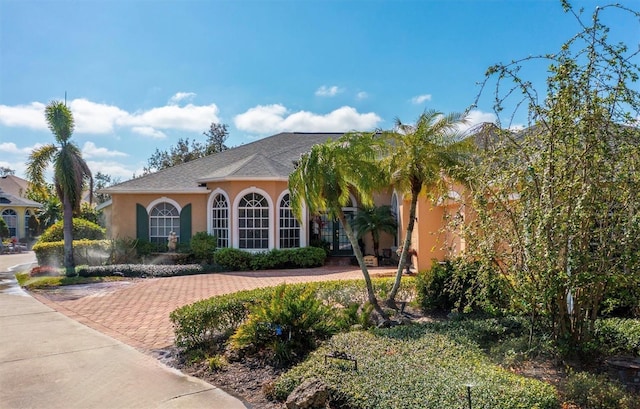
(469, 395)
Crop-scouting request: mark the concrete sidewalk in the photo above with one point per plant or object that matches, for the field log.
(50, 361)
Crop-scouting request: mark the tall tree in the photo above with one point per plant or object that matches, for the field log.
(102, 180)
(70, 171)
(558, 204)
(6, 171)
(216, 138)
(324, 178)
(375, 220)
(421, 156)
(187, 149)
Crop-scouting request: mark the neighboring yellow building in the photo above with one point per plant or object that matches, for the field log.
(241, 196)
(15, 209)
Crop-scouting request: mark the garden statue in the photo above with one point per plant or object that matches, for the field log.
(173, 240)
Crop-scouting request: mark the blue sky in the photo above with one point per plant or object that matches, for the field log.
(139, 75)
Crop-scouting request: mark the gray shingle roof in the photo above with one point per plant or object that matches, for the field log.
(9, 200)
(271, 158)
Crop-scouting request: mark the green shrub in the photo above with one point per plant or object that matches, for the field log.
(82, 230)
(233, 259)
(144, 248)
(199, 324)
(203, 246)
(124, 251)
(239, 260)
(305, 257)
(90, 252)
(414, 367)
(618, 335)
(461, 286)
(598, 392)
(289, 323)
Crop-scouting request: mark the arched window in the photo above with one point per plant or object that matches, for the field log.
(289, 226)
(11, 218)
(220, 220)
(253, 222)
(164, 218)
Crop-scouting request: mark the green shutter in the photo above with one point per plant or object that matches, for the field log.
(185, 224)
(142, 223)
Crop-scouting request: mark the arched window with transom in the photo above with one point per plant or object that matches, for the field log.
(10, 217)
(164, 218)
(220, 220)
(253, 222)
(289, 228)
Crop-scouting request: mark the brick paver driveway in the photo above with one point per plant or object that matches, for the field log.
(137, 312)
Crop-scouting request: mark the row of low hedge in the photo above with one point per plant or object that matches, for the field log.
(91, 252)
(140, 270)
(414, 367)
(239, 260)
(198, 324)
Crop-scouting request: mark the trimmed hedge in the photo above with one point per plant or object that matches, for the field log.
(140, 270)
(240, 260)
(197, 324)
(82, 230)
(415, 367)
(90, 252)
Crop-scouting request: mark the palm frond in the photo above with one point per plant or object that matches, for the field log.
(60, 121)
(37, 164)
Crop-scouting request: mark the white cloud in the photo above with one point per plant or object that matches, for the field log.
(12, 148)
(90, 150)
(149, 131)
(421, 98)
(181, 96)
(25, 116)
(94, 118)
(325, 91)
(265, 119)
(113, 169)
(476, 117)
(362, 95)
(189, 118)
(98, 118)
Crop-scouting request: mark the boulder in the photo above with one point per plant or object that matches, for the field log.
(312, 393)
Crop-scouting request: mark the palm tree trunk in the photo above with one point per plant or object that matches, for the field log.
(365, 272)
(391, 298)
(69, 263)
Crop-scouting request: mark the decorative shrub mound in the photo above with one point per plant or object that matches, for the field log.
(287, 324)
(240, 260)
(203, 246)
(90, 252)
(414, 367)
(82, 229)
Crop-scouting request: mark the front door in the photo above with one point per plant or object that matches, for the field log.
(333, 233)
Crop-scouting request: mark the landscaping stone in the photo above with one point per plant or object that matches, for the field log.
(310, 394)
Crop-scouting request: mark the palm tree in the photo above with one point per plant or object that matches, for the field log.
(374, 220)
(70, 171)
(421, 156)
(325, 176)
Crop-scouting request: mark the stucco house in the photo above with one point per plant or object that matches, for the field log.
(15, 209)
(241, 196)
